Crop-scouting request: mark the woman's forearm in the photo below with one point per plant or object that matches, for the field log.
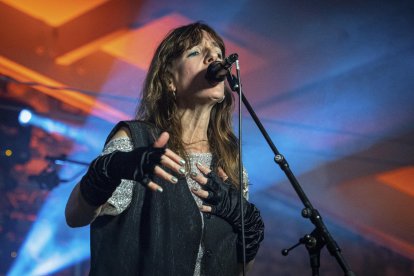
(78, 212)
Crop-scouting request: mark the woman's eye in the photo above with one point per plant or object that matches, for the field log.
(219, 55)
(193, 53)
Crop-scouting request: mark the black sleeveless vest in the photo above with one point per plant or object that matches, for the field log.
(160, 233)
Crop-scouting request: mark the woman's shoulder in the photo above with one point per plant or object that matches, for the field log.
(122, 132)
(138, 131)
(123, 129)
(135, 124)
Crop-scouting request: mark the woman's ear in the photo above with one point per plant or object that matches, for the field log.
(171, 86)
(170, 82)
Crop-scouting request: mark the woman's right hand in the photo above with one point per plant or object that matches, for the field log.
(141, 164)
(105, 173)
(170, 160)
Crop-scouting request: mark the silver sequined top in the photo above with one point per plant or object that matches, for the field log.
(121, 198)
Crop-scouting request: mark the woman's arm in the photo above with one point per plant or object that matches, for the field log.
(78, 212)
(106, 172)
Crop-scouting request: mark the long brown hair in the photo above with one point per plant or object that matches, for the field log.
(158, 105)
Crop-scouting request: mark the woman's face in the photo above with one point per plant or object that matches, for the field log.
(189, 71)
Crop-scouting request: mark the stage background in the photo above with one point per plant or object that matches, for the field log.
(332, 82)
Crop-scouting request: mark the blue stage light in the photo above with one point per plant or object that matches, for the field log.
(51, 245)
(25, 116)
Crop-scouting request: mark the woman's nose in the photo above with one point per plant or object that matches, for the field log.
(212, 56)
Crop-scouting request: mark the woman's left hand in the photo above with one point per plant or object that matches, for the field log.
(219, 197)
(223, 199)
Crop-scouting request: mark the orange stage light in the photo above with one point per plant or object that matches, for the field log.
(54, 13)
(86, 103)
(401, 179)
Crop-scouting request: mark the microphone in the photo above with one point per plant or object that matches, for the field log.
(217, 70)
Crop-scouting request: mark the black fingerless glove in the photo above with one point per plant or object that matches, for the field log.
(106, 171)
(224, 200)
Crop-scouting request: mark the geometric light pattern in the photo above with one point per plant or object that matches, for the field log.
(52, 12)
(401, 179)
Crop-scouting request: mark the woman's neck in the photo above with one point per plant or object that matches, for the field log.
(194, 124)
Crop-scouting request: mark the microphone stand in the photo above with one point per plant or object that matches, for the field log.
(320, 236)
(241, 181)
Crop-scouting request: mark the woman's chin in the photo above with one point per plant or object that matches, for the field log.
(216, 99)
